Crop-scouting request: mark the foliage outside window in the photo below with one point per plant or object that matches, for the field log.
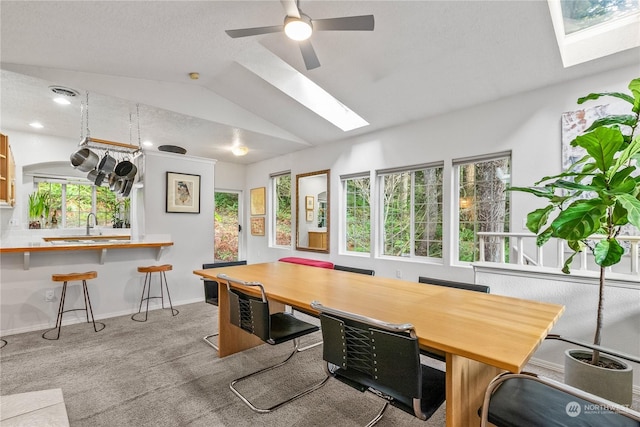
(225, 246)
(483, 207)
(580, 14)
(357, 214)
(281, 190)
(70, 203)
(412, 212)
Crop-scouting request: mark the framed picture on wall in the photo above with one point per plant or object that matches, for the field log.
(257, 226)
(258, 201)
(183, 193)
(309, 202)
(309, 216)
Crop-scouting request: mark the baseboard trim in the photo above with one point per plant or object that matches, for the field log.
(73, 321)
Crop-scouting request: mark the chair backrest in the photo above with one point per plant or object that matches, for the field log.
(457, 285)
(354, 270)
(247, 311)
(373, 354)
(527, 399)
(211, 286)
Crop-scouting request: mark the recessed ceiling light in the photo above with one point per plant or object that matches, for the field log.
(147, 143)
(62, 101)
(239, 150)
(36, 125)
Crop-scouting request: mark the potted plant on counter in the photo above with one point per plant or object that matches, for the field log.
(597, 195)
(39, 208)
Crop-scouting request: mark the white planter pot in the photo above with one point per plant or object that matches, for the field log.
(613, 384)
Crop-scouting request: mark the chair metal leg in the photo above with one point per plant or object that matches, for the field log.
(87, 309)
(142, 298)
(87, 303)
(206, 339)
(269, 368)
(174, 312)
(4, 342)
(301, 349)
(59, 317)
(378, 417)
(147, 286)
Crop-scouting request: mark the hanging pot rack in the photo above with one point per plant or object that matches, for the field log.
(86, 140)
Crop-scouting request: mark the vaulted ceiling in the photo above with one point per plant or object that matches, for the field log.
(424, 58)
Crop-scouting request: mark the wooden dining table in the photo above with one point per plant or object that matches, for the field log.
(481, 335)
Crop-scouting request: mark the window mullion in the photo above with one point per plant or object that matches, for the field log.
(412, 217)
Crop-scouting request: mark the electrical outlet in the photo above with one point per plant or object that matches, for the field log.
(13, 221)
(48, 295)
(399, 274)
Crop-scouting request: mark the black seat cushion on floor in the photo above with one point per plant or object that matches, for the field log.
(522, 402)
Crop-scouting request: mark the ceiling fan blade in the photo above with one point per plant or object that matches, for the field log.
(291, 7)
(347, 23)
(311, 60)
(244, 32)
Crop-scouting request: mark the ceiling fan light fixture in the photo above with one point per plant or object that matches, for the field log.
(239, 150)
(298, 28)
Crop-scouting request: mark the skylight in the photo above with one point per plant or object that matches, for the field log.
(591, 29)
(281, 75)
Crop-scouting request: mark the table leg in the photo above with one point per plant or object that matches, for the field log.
(232, 339)
(467, 380)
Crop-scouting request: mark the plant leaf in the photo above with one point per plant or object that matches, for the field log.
(593, 96)
(630, 150)
(545, 192)
(602, 144)
(538, 218)
(544, 236)
(567, 263)
(622, 119)
(581, 219)
(632, 205)
(634, 86)
(608, 252)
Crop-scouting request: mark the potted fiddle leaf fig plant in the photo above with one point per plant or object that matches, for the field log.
(588, 204)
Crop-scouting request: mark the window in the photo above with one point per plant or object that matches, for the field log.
(357, 213)
(281, 213)
(69, 203)
(412, 211)
(483, 205)
(590, 29)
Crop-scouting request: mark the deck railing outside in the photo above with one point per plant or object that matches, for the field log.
(524, 251)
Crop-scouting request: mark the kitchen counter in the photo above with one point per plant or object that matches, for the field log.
(84, 243)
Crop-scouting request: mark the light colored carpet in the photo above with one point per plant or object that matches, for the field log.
(161, 373)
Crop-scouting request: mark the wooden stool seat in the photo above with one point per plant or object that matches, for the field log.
(69, 277)
(74, 276)
(155, 268)
(148, 270)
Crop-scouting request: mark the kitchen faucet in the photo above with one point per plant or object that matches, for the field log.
(89, 226)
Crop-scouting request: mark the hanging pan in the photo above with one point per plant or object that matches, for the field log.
(84, 159)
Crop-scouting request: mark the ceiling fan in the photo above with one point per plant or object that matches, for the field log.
(299, 26)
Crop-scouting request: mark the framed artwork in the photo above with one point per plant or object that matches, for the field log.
(258, 201)
(309, 216)
(309, 202)
(257, 226)
(183, 193)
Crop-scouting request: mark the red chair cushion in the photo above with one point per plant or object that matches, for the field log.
(307, 261)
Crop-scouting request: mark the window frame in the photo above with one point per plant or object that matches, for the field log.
(273, 204)
(343, 229)
(380, 175)
(455, 230)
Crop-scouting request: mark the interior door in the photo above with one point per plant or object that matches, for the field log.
(227, 227)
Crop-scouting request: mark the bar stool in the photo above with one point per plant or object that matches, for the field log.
(147, 285)
(87, 302)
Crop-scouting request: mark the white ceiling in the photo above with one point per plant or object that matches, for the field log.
(424, 58)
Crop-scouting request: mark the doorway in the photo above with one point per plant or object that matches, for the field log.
(227, 228)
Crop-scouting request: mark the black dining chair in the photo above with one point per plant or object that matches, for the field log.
(384, 358)
(526, 399)
(449, 284)
(211, 291)
(354, 270)
(251, 314)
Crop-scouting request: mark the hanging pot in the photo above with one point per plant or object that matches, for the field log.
(96, 177)
(113, 179)
(107, 163)
(126, 169)
(126, 189)
(84, 160)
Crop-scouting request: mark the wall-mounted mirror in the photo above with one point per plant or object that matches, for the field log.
(312, 211)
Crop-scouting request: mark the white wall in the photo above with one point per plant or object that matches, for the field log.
(527, 124)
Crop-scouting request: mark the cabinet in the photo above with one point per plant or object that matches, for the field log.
(318, 239)
(7, 173)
